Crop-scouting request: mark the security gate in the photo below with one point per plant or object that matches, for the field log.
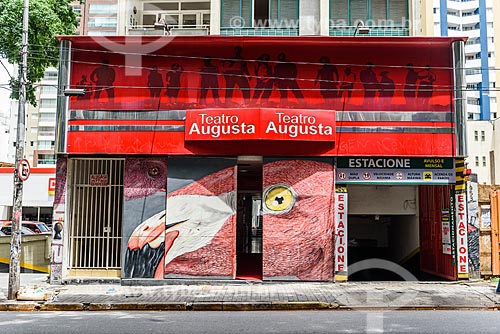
(96, 208)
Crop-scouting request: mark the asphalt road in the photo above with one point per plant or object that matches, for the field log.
(429, 322)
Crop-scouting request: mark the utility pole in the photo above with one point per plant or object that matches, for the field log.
(17, 212)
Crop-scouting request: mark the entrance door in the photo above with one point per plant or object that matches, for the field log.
(249, 221)
(434, 206)
(96, 207)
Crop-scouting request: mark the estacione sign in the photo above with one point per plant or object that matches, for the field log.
(260, 124)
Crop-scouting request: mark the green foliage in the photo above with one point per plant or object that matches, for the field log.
(47, 20)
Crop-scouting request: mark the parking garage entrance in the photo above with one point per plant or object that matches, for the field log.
(408, 226)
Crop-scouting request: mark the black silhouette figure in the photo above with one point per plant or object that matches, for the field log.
(387, 86)
(85, 85)
(328, 77)
(209, 81)
(58, 227)
(173, 82)
(347, 86)
(285, 74)
(410, 89)
(103, 77)
(368, 78)
(236, 74)
(155, 83)
(264, 73)
(427, 78)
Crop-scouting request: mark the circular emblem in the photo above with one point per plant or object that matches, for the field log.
(279, 198)
(23, 169)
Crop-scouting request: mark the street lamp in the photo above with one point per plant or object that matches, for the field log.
(74, 92)
(361, 29)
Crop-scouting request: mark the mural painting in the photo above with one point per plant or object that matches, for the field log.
(298, 220)
(193, 234)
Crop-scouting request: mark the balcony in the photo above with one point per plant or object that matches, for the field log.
(250, 31)
(374, 31)
(174, 30)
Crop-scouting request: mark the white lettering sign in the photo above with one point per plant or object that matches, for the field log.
(341, 236)
(462, 248)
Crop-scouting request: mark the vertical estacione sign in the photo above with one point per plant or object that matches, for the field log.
(341, 234)
(462, 247)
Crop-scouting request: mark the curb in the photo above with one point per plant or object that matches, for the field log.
(223, 306)
(18, 307)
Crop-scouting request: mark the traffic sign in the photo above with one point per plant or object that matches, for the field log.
(23, 169)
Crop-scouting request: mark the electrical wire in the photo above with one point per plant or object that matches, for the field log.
(436, 88)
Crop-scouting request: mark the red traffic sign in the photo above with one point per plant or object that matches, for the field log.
(23, 169)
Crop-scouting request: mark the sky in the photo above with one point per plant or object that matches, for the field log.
(4, 108)
(4, 79)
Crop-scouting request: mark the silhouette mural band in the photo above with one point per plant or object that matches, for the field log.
(270, 79)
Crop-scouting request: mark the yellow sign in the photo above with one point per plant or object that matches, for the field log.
(427, 176)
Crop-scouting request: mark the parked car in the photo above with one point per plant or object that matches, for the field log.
(7, 230)
(35, 227)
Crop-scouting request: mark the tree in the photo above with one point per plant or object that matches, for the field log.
(47, 20)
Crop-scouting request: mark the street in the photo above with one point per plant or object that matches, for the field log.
(252, 322)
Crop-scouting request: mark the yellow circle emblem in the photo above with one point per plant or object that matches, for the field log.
(279, 198)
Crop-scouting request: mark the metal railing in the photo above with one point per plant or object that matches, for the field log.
(249, 31)
(374, 31)
(177, 30)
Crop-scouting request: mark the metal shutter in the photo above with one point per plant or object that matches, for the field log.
(338, 12)
(379, 12)
(398, 12)
(358, 11)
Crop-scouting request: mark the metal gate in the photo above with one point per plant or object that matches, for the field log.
(433, 202)
(96, 209)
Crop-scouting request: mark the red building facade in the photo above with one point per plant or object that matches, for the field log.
(229, 157)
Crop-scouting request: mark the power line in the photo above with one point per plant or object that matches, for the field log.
(246, 60)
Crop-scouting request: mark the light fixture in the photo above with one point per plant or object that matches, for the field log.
(74, 92)
(361, 29)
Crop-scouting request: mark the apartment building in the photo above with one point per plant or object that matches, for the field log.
(479, 21)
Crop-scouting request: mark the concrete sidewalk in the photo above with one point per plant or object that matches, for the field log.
(246, 295)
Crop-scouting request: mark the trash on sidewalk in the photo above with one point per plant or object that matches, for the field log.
(34, 294)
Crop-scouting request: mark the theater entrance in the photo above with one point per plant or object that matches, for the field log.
(249, 219)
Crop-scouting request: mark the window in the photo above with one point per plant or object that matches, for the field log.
(47, 117)
(50, 76)
(48, 103)
(102, 9)
(373, 12)
(32, 143)
(280, 13)
(106, 22)
(476, 137)
(261, 13)
(177, 14)
(49, 90)
(477, 161)
(45, 145)
(484, 161)
(483, 137)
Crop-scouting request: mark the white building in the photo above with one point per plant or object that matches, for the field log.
(478, 20)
